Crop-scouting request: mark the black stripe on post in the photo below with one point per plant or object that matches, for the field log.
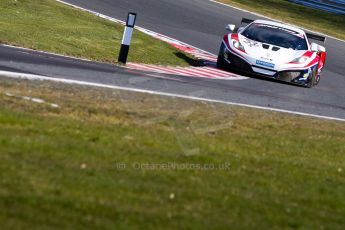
(123, 53)
(127, 37)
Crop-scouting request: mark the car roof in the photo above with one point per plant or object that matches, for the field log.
(282, 25)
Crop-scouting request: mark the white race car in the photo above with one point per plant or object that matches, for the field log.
(275, 50)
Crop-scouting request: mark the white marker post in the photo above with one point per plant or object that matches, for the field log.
(127, 37)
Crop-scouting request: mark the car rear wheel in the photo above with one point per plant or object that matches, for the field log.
(318, 78)
(314, 79)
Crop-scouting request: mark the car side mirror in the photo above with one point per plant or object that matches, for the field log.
(314, 47)
(317, 48)
(230, 27)
(322, 49)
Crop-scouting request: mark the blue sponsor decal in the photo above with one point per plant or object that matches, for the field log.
(263, 63)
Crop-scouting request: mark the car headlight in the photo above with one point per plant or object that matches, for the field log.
(302, 59)
(237, 45)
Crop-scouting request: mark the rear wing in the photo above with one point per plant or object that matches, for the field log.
(316, 37)
(309, 35)
(246, 21)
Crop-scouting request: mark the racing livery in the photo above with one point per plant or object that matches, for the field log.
(275, 50)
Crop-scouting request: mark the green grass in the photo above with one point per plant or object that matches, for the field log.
(61, 168)
(51, 26)
(328, 23)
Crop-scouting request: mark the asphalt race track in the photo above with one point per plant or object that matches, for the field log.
(199, 23)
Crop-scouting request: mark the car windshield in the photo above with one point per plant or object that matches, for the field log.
(275, 36)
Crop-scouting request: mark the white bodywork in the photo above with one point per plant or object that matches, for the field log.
(268, 61)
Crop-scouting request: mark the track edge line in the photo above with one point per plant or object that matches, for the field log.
(84, 83)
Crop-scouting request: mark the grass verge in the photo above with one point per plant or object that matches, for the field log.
(51, 26)
(328, 23)
(203, 165)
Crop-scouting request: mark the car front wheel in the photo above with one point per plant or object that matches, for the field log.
(221, 64)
